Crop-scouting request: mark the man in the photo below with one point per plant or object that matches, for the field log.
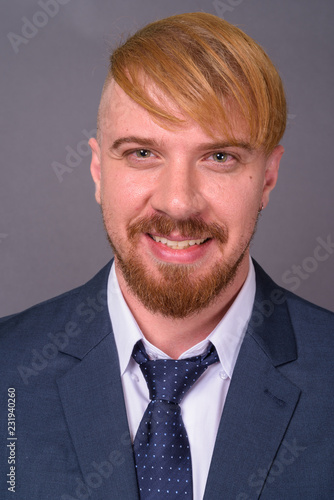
(187, 153)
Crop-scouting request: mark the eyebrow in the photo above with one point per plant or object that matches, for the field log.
(133, 139)
(227, 144)
(144, 141)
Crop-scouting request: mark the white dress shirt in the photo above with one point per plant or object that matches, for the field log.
(203, 404)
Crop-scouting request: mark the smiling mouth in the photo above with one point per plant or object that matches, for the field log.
(178, 245)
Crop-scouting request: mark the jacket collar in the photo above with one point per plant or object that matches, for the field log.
(89, 315)
(270, 313)
(270, 324)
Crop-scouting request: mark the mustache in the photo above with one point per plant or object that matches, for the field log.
(192, 228)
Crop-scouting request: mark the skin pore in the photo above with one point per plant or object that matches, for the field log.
(180, 209)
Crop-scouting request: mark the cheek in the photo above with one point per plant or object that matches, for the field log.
(236, 199)
(250, 193)
(112, 202)
(123, 195)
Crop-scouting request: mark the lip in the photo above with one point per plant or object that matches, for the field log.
(177, 237)
(188, 255)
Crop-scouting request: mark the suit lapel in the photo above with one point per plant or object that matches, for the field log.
(92, 399)
(260, 401)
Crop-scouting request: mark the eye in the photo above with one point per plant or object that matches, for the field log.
(141, 158)
(221, 161)
(143, 153)
(220, 157)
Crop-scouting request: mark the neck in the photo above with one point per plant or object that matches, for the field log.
(175, 336)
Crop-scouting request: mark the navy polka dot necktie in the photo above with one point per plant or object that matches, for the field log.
(161, 445)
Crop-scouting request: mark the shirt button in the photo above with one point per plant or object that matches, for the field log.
(135, 377)
(223, 375)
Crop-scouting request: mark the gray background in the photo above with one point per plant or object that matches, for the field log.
(51, 235)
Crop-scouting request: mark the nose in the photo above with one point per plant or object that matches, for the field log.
(177, 191)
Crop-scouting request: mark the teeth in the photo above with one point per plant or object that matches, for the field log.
(178, 245)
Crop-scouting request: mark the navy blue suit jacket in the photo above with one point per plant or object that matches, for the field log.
(276, 435)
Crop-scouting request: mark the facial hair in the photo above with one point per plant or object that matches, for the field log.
(177, 292)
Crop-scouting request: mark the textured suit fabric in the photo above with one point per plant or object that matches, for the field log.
(276, 435)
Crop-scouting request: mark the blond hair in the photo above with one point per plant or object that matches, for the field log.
(210, 69)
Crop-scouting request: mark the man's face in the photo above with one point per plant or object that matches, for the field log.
(179, 207)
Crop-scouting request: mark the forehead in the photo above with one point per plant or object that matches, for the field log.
(119, 105)
(121, 115)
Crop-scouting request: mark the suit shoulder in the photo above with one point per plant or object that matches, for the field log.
(309, 313)
(314, 333)
(312, 325)
(55, 312)
(304, 310)
(314, 330)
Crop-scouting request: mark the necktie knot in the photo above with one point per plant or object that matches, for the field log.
(169, 379)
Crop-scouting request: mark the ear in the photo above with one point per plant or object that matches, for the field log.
(271, 173)
(95, 167)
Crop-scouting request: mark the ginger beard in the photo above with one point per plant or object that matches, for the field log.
(178, 293)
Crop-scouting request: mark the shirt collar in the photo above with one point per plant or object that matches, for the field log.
(226, 337)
